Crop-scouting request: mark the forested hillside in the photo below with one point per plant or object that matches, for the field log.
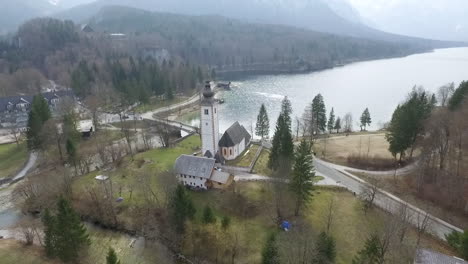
(230, 44)
(91, 64)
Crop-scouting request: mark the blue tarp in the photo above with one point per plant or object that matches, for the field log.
(285, 225)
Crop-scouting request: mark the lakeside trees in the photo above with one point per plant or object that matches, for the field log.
(365, 119)
(331, 121)
(262, 128)
(407, 124)
(315, 117)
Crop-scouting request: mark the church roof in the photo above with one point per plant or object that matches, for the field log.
(234, 135)
(194, 166)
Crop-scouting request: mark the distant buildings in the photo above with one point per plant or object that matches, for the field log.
(14, 110)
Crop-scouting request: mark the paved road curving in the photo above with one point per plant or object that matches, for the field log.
(31, 162)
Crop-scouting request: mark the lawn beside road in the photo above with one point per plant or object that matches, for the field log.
(12, 159)
(371, 147)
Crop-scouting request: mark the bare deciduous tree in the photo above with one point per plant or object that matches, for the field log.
(369, 192)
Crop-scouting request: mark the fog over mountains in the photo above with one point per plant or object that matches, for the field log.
(435, 19)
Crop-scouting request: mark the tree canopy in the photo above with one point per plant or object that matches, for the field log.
(407, 124)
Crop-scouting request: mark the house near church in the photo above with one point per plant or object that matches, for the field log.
(200, 173)
(234, 141)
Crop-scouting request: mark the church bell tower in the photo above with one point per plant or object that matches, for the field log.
(209, 125)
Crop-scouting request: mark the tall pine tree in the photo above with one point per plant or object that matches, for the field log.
(262, 128)
(365, 119)
(39, 114)
(282, 150)
(182, 209)
(303, 173)
(65, 235)
(320, 114)
(286, 111)
(338, 125)
(270, 254)
(331, 121)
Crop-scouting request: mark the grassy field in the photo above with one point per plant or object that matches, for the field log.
(12, 159)
(145, 168)
(405, 191)
(246, 158)
(350, 227)
(337, 149)
(158, 103)
(261, 167)
(14, 252)
(248, 204)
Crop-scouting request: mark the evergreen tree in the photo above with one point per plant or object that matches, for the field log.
(303, 173)
(331, 121)
(371, 253)
(39, 114)
(459, 241)
(283, 146)
(270, 253)
(70, 146)
(338, 125)
(71, 233)
(65, 235)
(286, 111)
(460, 94)
(182, 208)
(208, 216)
(365, 119)
(262, 128)
(319, 113)
(33, 134)
(407, 124)
(225, 222)
(326, 249)
(112, 257)
(49, 233)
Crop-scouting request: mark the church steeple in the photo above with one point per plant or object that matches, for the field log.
(209, 125)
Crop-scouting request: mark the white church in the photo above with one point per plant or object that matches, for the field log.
(203, 172)
(233, 142)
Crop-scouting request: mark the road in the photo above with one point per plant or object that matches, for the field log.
(31, 161)
(150, 115)
(383, 199)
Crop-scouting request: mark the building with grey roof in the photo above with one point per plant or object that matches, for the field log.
(199, 172)
(234, 142)
(426, 256)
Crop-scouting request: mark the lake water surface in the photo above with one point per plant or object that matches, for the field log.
(380, 85)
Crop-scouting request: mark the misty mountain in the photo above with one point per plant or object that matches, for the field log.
(336, 16)
(234, 45)
(14, 13)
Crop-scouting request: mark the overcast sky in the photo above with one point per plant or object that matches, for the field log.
(442, 19)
